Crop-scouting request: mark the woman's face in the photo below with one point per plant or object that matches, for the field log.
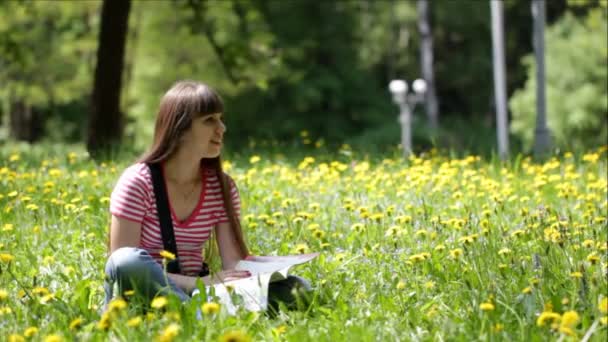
(206, 135)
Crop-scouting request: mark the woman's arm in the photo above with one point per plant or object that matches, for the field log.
(123, 233)
(226, 242)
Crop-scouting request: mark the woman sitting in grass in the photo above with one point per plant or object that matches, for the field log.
(202, 200)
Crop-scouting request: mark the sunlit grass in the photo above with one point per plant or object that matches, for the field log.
(426, 248)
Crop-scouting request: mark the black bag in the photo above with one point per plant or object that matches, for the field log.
(164, 219)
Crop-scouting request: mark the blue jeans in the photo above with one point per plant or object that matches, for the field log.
(134, 269)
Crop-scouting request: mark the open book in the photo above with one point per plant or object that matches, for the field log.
(252, 293)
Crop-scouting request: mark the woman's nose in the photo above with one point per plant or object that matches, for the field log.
(221, 128)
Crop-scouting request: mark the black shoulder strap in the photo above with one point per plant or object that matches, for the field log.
(164, 216)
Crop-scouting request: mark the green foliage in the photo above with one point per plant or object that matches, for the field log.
(576, 63)
(47, 57)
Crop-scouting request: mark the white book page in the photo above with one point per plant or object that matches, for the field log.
(270, 264)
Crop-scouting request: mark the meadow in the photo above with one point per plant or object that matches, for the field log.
(429, 248)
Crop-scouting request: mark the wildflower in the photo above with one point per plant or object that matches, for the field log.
(53, 338)
(281, 329)
(487, 306)
(319, 234)
(6, 258)
(3, 294)
(117, 304)
(301, 248)
(604, 320)
(400, 285)
(526, 290)
(603, 305)
(134, 322)
(504, 251)
(30, 331)
(235, 336)
(210, 308)
(593, 258)
(357, 227)
(254, 159)
(15, 338)
(547, 316)
(588, 243)
(105, 321)
(456, 253)
(576, 275)
(76, 323)
(570, 319)
(167, 255)
(159, 302)
(169, 333)
(498, 327)
(129, 293)
(439, 248)
(429, 285)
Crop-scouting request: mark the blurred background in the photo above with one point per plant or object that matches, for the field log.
(301, 74)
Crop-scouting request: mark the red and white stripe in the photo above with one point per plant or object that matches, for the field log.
(133, 199)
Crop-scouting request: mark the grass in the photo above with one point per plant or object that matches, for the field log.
(430, 248)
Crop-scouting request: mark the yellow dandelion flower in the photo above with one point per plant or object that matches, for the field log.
(504, 251)
(281, 329)
(129, 293)
(159, 302)
(167, 255)
(400, 285)
(526, 290)
(170, 332)
(104, 321)
(593, 258)
(456, 253)
(117, 304)
(254, 159)
(301, 248)
(547, 317)
(486, 306)
(603, 305)
(3, 294)
(235, 336)
(76, 323)
(576, 274)
(30, 331)
(498, 327)
(604, 320)
(6, 258)
(566, 330)
(570, 319)
(53, 338)
(15, 338)
(210, 308)
(134, 322)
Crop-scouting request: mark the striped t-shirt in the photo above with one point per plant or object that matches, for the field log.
(133, 199)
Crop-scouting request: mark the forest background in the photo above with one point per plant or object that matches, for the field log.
(305, 74)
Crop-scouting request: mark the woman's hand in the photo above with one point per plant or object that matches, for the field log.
(224, 276)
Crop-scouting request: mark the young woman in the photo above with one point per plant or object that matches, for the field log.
(203, 201)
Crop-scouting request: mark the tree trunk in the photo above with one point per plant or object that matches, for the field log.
(26, 122)
(106, 120)
(426, 57)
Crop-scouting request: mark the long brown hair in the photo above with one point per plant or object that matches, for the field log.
(185, 101)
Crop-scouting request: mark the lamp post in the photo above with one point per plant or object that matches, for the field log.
(407, 102)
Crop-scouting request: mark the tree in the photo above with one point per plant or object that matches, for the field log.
(426, 60)
(105, 118)
(576, 64)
